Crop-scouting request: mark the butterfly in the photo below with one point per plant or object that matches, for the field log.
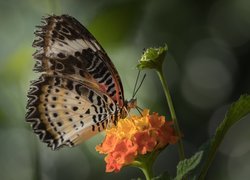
(79, 92)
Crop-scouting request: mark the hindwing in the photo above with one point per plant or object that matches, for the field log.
(67, 112)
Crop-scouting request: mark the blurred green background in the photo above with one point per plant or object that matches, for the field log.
(207, 68)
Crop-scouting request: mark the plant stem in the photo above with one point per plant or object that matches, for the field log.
(172, 112)
(147, 172)
(146, 168)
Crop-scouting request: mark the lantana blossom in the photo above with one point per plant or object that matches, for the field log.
(133, 136)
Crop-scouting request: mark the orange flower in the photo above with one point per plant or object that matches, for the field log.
(108, 144)
(156, 121)
(124, 153)
(146, 142)
(133, 136)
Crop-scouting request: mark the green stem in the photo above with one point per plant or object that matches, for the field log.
(146, 168)
(145, 163)
(147, 172)
(172, 112)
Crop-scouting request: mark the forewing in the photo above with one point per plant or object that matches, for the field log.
(65, 47)
(65, 112)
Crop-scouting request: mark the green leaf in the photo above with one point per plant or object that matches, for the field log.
(153, 58)
(185, 166)
(236, 112)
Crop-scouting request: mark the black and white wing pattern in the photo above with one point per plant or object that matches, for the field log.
(79, 90)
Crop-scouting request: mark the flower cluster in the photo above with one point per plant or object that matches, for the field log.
(133, 136)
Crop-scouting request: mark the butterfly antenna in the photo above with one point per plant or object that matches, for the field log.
(139, 110)
(143, 78)
(136, 81)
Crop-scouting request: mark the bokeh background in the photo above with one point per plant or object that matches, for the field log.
(207, 68)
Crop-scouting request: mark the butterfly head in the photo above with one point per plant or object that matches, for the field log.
(128, 105)
(131, 104)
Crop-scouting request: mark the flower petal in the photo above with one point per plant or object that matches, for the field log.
(133, 136)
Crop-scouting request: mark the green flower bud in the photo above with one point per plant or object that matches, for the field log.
(153, 58)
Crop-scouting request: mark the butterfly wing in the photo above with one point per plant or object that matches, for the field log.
(79, 90)
(66, 112)
(65, 47)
